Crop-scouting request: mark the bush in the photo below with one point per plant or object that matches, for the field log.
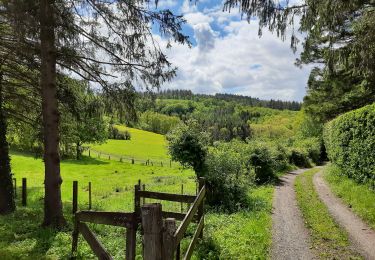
(312, 148)
(262, 163)
(227, 179)
(299, 158)
(115, 133)
(350, 143)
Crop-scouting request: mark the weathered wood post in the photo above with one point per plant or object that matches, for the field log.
(75, 197)
(15, 187)
(178, 252)
(90, 204)
(201, 206)
(152, 223)
(137, 199)
(109, 157)
(168, 238)
(89, 153)
(161, 164)
(132, 160)
(75, 236)
(182, 192)
(24, 192)
(131, 240)
(144, 199)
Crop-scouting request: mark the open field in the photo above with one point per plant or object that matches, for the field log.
(112, 189)
(143, 145)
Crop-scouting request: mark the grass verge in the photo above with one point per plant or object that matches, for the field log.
(329, 240)
(359, 197)
(242, 235)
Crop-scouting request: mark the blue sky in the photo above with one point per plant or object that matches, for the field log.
(228, 56)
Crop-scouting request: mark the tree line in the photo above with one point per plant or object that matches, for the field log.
(244, 100)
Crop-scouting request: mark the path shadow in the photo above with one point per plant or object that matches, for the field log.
(85, 161)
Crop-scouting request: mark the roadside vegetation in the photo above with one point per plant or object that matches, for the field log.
(359, 197)
(328, 239)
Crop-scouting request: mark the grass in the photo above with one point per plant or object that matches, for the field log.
(360, 197)
(112, 182)
(143, 145)
(329, 240)
(242, 235)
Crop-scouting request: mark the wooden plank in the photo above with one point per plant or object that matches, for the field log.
(131, 240)
(167, 196)
(120, 219)
(168, 239)
(197, 233)
(152, 224)
(94, 243)
(189, 216)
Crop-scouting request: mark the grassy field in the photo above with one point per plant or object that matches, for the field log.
(360, 197)
(328, 239)
(112, 182)
(143, 145)
(243, 235)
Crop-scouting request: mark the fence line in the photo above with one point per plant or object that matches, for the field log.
(122, 158)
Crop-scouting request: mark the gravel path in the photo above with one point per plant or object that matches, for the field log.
(361, 235)
(290, 238)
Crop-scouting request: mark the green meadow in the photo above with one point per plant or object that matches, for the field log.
(143, 145)
(113, 190)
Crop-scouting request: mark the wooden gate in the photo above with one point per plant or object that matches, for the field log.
(161, 237)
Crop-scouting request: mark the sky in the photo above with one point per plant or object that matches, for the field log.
(227, 55)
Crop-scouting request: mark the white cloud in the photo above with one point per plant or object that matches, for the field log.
(235, 60)
(167, 4)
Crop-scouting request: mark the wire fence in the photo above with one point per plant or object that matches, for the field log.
(151, 161)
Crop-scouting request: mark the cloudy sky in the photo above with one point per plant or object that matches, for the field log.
(227, 55)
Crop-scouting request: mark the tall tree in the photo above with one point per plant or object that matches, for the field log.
(109, 43)
(339, 36)
(7, 203)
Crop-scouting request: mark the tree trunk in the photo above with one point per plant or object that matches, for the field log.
(7, 204)
(53, 214)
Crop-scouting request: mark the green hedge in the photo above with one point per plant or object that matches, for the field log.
(350, 143)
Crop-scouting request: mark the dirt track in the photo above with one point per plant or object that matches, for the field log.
(361, 235)
(290, 237)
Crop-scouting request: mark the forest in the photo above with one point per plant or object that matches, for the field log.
(83, 106)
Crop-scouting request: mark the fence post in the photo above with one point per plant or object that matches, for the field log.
(89, 153)
(75, 197)
(24, 192)
(178, 252)
(15, 187)
(201, 206)
(168, 238)
(144, 199)
(152, 223)
(132, 160)
(90, 205)
(109, 157)
(161, 164)
(182, 192)
(137, 200)
(120, 159)
(131, 240)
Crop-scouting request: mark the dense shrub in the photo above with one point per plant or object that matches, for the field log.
(312, 148)
(299, 158)
(227, 179)
(350, 143)
(157, 123)
(115, 133)
(262, 163)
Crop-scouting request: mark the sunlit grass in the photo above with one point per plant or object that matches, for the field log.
(360, 197)
(329, 240)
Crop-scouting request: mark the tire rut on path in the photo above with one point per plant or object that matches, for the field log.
(361, 235)
(290, 238)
